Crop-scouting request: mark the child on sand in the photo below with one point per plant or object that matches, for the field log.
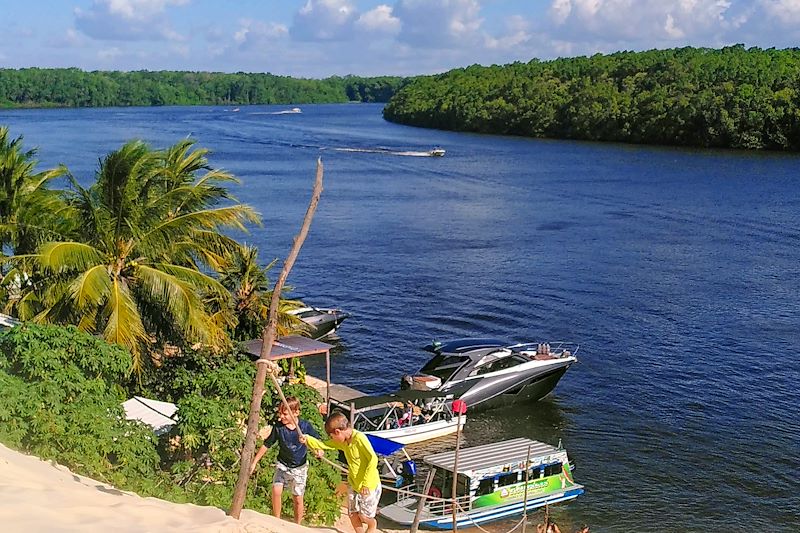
(364, 482)
(292, 466)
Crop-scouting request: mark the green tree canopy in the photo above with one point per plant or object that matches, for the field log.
(135, 266)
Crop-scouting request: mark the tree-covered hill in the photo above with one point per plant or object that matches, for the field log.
(34, 87)
(732, 97)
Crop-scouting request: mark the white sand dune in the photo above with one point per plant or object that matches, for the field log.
(39, 496)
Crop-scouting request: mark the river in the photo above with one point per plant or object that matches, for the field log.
(677, 271)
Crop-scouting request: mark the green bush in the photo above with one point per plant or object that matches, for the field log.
(213, 395)
(61, 392)
(60, 400)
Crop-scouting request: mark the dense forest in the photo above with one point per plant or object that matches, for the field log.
(732, 97)
(34, 87)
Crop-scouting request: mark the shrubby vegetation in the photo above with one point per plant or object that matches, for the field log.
(733, 98)
(139, 258)
(35, 87)
(60, 398)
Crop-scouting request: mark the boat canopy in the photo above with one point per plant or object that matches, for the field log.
(495, 455)
(288, 347)
(383, 446)
(463, 345)
(399, 396)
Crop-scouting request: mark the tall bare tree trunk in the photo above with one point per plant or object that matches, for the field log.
(266, 349)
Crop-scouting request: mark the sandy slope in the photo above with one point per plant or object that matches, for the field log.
(38, 496)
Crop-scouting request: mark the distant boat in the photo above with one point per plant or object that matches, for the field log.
(235, 110)
(321, 322)
(436, 152)
(288, 111)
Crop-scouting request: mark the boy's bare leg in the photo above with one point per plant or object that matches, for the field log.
(355, 521)
(372, 524)
(277, 491)
(299, 509)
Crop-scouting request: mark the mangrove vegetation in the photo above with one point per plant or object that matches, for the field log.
(728, 98)
(37, 87)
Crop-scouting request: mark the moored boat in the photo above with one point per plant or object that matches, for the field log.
(488, 373)
(405, 416)
(494, 481)
(320, 322)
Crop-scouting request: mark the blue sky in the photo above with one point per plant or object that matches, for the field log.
(320, 38)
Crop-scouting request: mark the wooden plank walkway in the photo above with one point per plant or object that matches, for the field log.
(340, 393)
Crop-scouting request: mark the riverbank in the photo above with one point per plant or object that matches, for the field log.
(41, 496)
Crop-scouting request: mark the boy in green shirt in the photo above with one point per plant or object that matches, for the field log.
(364, 482)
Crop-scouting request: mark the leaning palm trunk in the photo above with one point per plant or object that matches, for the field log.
(266, 348)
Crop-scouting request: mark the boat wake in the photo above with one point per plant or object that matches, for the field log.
(292, 111)
(406, 153)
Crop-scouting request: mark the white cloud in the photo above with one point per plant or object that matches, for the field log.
(439, 23)
(254, 33)
(517, 34)
(615, 21)
(109, 54)
(784, 12)
(128, 20)
(324, 20)
(379, 20)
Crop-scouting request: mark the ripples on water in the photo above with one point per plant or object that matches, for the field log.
(676, 270)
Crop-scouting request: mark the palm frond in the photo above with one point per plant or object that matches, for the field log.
(91, 287)
(183, 227)
(61, 256)
(124, 325)
(180, 298)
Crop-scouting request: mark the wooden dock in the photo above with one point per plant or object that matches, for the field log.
(340, 393)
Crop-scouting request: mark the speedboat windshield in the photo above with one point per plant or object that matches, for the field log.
(443, 366)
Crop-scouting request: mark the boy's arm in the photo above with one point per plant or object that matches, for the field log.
(310, 430)
(369, 460)
(314, 443)
(257, 458)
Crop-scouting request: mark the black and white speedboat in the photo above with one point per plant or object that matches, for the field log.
(488, 373)
(320, 322)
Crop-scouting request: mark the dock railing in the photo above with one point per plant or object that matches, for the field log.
(435, 505)
(555, 349)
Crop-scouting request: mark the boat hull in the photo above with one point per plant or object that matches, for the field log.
(421, 432)
(324, 323)
(403, 514)
(485, 394)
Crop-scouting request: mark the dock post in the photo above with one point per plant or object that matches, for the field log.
(460, 407)
(421, 504)
(525, 502)
(328, 382)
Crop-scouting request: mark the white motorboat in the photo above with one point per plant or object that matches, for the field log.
(320, 322)
(488, 373)
(405, 416)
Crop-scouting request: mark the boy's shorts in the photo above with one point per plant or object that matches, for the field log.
(363, 505)
(294, 478)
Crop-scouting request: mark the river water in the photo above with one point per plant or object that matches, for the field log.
(678, 272)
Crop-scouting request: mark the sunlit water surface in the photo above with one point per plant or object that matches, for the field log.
(676, 270)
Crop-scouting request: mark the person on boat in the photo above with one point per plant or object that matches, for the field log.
(363, 479)
(408, 414)
(292, 466)
(548, 527)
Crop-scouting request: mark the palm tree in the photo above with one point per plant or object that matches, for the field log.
(251, 294)
(136, 268)
(29, 211)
